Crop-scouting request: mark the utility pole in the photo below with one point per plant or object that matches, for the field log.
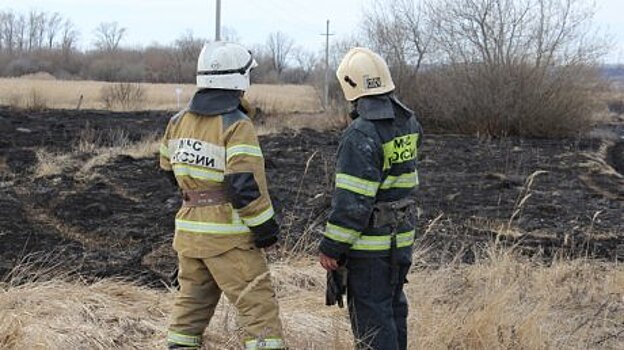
(326, 87)
(218, 22)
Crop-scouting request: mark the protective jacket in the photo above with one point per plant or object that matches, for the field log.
(212, 147)
(376, 163)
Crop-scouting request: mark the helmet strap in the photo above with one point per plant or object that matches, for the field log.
(240, 71)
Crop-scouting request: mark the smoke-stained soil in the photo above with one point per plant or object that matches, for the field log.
(550, 197)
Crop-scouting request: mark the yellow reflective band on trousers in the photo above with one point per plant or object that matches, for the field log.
(210, 228)
(267, 343)
(357, 185)
(183, 339)
(376, 243)
(259, 219)
(341, 234)
(238, 150)
(400, 150)
(197, 172)
(409, 180)
(164, 151)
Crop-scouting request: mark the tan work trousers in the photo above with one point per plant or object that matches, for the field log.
(243, 276)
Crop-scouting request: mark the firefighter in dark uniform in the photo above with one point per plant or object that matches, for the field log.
(371, 226)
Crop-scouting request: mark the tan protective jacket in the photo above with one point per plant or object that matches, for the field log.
(218, 152)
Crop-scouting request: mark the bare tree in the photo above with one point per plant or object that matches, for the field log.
(400, 31)
(517, 66)
(20, 33)
(341, 46)
(189, 46)
(264, 73)
(108, 36)
(306, 62)
(55, 22)
(494, 66)
(69, 37)
(280, 47)
(36, 28)
(7, 28)
(184, 60)
(230, 34)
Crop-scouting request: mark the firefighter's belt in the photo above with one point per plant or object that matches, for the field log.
(204, 198)
(392, 213)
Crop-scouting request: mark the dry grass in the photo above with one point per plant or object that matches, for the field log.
(613, 99)
(501, 302)
(123, 96)
(118, 143)
(49, 163)
(66, 95)
(320, 122)
(280, 99)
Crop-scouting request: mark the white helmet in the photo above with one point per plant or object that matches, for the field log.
(363, 73)
(224, 65)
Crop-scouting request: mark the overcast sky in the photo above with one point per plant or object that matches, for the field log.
(163, 21)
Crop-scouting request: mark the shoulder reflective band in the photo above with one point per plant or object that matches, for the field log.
(341, 234)
(164, 151)
(265, 344)
(357, 185)
(376, 243)
(259, 219)
(238, 150)
(183, 339)
(400, 149)
(197, 173)
(409, 180)
(210, 227)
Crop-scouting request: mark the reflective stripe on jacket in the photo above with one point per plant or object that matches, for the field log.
(376, 162)
(213, 145)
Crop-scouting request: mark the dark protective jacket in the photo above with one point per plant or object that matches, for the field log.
(376, 162)
(212, 146)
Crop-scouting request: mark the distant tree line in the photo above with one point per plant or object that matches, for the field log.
(47, 42)
(492, 67)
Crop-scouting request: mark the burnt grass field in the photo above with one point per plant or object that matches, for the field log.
(549, 198)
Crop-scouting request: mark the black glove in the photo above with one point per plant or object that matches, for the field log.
(336, 286)
(170, 176)
(265, 242)
(266, 234)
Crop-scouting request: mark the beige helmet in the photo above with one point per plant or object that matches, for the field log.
(363, 73)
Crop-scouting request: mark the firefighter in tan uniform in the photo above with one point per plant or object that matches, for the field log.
(226, 218)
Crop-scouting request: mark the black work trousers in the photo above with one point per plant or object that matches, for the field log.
(378, 309)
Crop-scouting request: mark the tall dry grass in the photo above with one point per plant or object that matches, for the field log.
(319, 121)
(64, 94)
(501, 302)
(100, 149)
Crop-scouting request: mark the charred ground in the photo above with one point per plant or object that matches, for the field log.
(560, 197)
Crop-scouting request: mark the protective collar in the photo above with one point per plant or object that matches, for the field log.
(214, 101)
(378, 107)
